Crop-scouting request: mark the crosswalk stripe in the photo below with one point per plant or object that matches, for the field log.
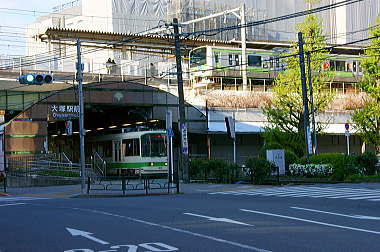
(310, 191)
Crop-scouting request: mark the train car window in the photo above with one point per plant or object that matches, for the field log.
(271, 62)
(237, 61)
(230, 59)
(254, 61)
(337, 65)
(131, 147)
(349, 67)
(216, 58)
(198, 57)
(153, 145)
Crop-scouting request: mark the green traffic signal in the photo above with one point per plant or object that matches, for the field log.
(35, 79)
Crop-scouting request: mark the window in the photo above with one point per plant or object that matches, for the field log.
(254, 61)
(198, 57)
(230, 59)
(237, 61)
(153, 145)
(216, 58)
(336, 65)
(131, 147)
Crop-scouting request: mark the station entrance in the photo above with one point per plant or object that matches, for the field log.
(111, 108)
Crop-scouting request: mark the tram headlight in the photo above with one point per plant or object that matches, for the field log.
(151, 164)
(166, 163)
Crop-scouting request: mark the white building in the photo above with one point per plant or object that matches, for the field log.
(343, 24)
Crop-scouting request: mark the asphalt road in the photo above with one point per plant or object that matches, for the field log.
(343, 217)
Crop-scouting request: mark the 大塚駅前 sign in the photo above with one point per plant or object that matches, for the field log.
(64, 112)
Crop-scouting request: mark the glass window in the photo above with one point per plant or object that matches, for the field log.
(216, 58)
(153, 145)
(237, 61)
(254, 61)
(230, 59)
(198, 57)
(131, 147)
(336, 65)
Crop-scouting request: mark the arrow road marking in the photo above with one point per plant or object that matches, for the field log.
(363, 217)
(219, 219)
(76, 232)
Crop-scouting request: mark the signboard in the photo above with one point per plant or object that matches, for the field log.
(347, 126)
(69, 127)
(277, 157)
(185, 143)
(309, 141)
(64, 112)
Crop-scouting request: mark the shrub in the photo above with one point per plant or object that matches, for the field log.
(215, 169)
(259, 169)
(311, 169)
(343, 165)
(367, 162)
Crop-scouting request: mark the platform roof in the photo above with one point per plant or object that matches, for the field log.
(165, 42)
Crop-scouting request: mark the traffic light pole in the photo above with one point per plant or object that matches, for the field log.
(79, 78)
(182, 115)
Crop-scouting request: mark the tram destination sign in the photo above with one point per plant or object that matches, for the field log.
(63, 112)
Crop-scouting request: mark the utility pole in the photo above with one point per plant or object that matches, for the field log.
(243, 47)
(182, 116)
(304, 96)
(312, 102)
(81, 118)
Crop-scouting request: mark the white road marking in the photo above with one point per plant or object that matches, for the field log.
(219, 219)
(338, 214)
(310, 191)
(76, 232)
(311, 221)
(178, 230)
(14, 204)
(20, 198)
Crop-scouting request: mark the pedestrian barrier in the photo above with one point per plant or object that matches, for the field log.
(130, 183)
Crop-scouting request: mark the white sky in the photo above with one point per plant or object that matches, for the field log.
(12, 41)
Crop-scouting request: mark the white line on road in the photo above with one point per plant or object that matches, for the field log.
(14, 204)
(311, 221)
(178, 230)
(219, 219)
(338, 214)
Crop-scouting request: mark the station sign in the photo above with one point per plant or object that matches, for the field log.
(63, 112)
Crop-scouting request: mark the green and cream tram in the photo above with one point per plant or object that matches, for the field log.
(132, 153)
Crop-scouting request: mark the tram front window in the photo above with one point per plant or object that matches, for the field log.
(153, 145)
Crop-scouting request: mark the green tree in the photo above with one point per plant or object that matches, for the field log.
(285, 115)
(367, 119)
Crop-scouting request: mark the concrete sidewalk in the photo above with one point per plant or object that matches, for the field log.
(69, 191)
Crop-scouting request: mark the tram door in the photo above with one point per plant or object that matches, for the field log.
(116, 155)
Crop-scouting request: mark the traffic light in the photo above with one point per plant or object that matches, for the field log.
(35, 79)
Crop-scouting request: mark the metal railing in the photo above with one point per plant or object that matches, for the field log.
(98, 164)
(53, 162)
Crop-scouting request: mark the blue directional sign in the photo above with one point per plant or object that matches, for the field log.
(169, 132)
